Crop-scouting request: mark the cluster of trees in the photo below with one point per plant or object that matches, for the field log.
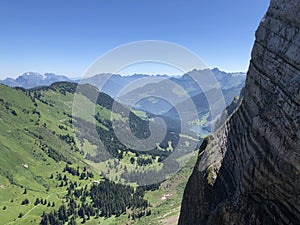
(69, 140)
(25, 202)
(7, 106)
(106, 123)
(43, 202)
(34, 111)
(72, 170)
(113, 199)
(38, 95)
(38, 136)
(103, 199)
(59, 217)
(63, 179)
(138, 126)
(5, 103)
(63, 87)
(52, 153)
(62, 127)
(144, 162)
(85, 174)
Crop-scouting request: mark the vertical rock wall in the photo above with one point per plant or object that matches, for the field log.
(248, 171)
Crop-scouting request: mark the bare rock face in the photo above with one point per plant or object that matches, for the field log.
(248, 171)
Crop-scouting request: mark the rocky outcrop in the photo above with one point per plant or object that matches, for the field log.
(248, 171)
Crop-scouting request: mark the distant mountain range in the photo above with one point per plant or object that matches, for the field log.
(145, 87)
(114, 83)
(137, 86)
(30, 80)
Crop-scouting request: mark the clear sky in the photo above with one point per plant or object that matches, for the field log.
(65, 37)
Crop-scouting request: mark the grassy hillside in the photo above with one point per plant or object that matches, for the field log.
(37, 144)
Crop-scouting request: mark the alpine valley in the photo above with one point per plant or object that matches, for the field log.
(51, 174)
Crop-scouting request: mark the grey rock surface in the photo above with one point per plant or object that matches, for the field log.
(248, 171)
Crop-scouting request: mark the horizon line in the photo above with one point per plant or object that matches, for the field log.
(120, 74)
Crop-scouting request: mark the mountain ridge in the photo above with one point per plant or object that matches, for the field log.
(31, 79)
(115, 83)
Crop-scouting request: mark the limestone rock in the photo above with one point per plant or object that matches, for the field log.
(248, 171)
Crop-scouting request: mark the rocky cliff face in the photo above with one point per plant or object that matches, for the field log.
(248, 171)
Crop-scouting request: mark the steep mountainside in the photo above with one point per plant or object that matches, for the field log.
(248, 171)
(41, 164)
(44, 167)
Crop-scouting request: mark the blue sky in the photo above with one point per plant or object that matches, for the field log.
(65, 37)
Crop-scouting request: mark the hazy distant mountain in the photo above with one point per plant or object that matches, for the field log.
(164, 97)
(31, 79)
(230, 84)
(115, 83)
(229, 80)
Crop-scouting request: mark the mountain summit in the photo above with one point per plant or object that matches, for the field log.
(31, 80)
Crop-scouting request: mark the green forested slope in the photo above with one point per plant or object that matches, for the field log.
(37, 144)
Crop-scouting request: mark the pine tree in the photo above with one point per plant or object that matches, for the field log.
(37, 201)
(62, 213)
